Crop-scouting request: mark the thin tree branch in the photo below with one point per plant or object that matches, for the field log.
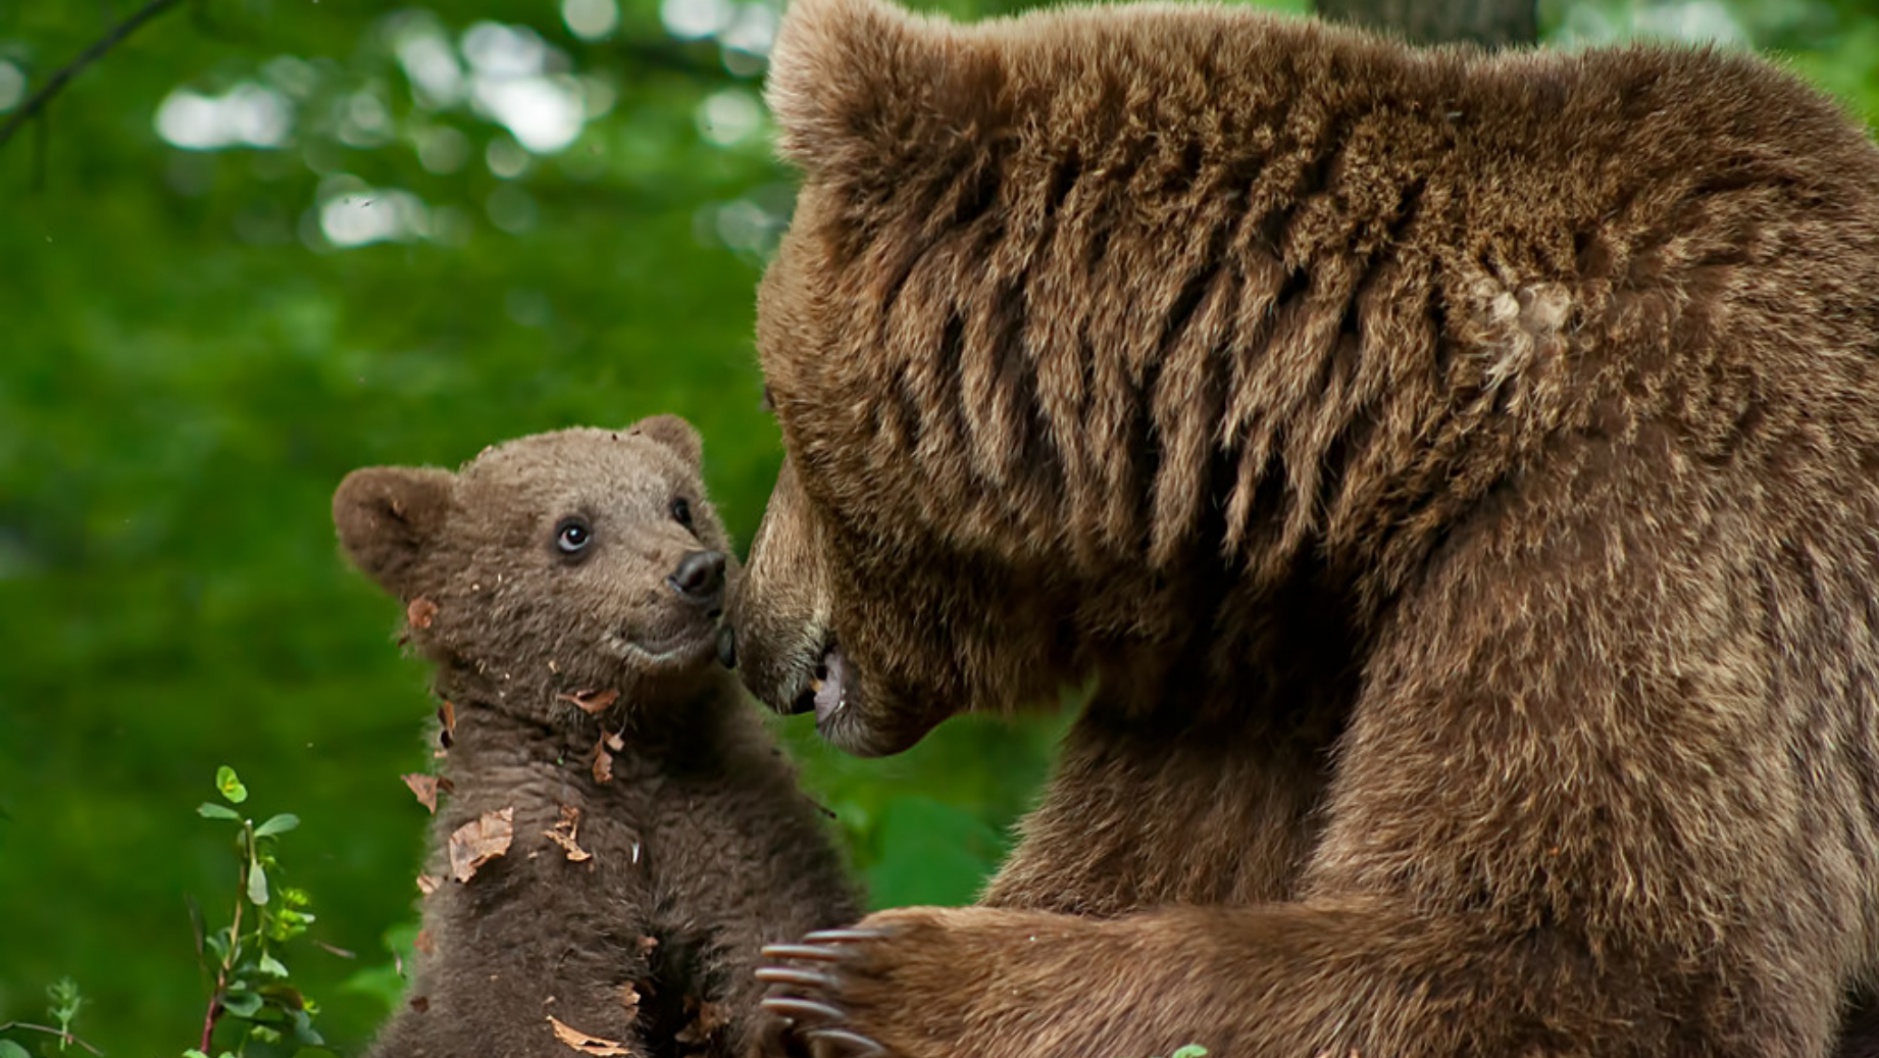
(63, 76)
(50, 1031)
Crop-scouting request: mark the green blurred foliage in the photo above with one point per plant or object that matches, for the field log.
(190, 360)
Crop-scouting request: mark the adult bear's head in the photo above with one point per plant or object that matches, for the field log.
(989, 336)
(882, 637)
(864, 598)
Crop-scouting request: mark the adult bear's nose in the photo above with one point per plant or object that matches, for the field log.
(699, 576)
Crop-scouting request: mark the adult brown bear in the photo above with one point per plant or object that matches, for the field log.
(1458, 472)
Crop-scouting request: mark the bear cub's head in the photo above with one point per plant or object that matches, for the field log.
(582, 569)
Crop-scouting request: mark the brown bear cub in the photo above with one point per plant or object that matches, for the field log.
(621, 836)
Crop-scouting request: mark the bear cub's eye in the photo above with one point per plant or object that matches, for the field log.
(572, 535)
(681, 511)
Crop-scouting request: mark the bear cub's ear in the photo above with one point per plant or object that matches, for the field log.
(673, 432)
(387, 516)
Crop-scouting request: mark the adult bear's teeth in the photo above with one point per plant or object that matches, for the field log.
(831, 695)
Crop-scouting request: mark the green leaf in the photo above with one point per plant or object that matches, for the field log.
(280, 824)
(9, 1049)
(242, 1004)
(304, 1033)
(283, 995)
(65, 1003)
(1192, 1050)
(193, 1053)
(208, 810)
(257, 886)
(65, 998)
(271, 966)
(230, 785)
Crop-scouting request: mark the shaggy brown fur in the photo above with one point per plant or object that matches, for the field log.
(1458, 472)
(702, 848)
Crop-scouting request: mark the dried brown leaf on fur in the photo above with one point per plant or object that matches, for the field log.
(424, 788)
(705, 1019)
(590, 702)
(479, 841)
(603, 763)
(447, 718)
(647, 944)
(428, 883)
(421, 612)
(584, 1043)
(565, 833)
(629, 998)
(614, 742)
(422, 943)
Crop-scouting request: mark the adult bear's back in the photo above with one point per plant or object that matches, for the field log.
(1127, 267)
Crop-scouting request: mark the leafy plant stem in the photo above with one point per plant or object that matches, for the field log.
(233, 951)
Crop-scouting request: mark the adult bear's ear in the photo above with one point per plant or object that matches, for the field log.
(861, 87)
(673, 432)
(388, 516)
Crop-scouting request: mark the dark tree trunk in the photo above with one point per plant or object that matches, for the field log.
(1490, 22)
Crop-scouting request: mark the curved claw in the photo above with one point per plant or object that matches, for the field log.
(858, 1045)
(802, 1009)
(801, 951)
(842, 936)
(783, 975)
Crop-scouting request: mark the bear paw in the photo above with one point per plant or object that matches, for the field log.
(888, 986)
(925, 982)
(812, 991)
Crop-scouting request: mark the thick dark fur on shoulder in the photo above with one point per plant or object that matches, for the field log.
(555, 571)
(1460, 473)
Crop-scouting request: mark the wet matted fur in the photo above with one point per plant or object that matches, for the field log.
(556, 568)
(1457, 471)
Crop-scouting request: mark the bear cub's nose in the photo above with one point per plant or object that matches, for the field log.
(699, 576)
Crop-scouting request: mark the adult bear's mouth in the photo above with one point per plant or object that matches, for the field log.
(832, 690)
(830, 687)
(827, 689)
